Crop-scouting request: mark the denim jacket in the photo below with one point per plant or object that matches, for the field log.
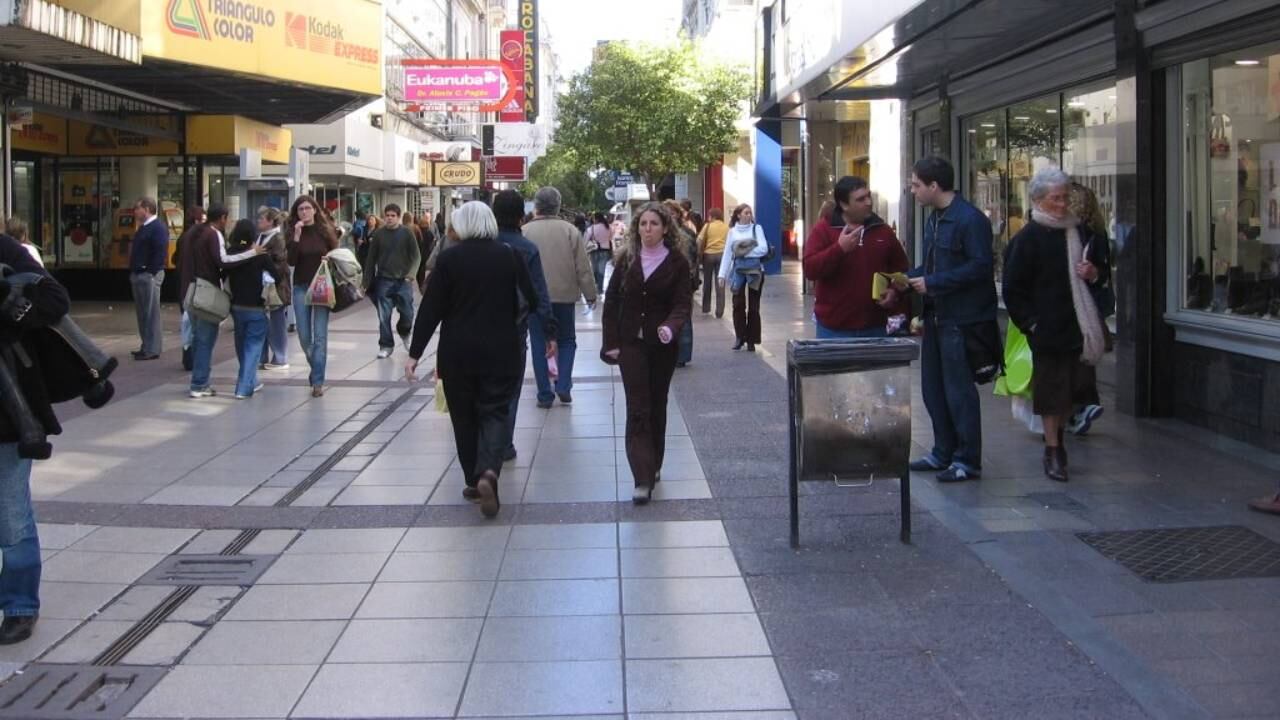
(959, 267)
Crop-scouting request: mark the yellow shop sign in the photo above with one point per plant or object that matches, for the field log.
(457, 174)
(228, 134)
(97, 140)
(44, 134)
(331, 43)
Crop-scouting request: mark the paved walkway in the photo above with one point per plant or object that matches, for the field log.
(385, 595)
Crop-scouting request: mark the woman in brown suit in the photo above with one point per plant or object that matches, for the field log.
(646, 306)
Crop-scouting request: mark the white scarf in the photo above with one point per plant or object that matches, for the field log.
(1086, 311)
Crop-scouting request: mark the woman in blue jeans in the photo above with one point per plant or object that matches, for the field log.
(247, 307)
(311, 238)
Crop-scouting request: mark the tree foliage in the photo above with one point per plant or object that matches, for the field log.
(652, 110)
(563, 169)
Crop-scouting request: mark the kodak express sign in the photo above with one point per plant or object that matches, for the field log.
(331, 43)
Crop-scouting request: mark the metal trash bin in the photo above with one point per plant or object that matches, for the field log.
(850, 402)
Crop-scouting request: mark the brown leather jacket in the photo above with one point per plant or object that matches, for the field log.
(635, 307)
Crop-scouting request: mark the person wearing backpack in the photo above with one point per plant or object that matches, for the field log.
(742, 270)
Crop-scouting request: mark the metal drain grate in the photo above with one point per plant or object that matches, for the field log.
(208, 570)
(76, 692)
(1185, 554)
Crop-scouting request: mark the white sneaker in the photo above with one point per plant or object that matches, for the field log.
(404, 341)
(203, 393)
(276, 366)
(384, 353)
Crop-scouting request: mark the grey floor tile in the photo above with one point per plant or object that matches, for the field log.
(335, 568)
(74, 601)
(325, 542)
(248, 691)
(384, 690)
(542, 639)
(569, 492)
(559, 564)
(671, 490)
(564, 537)
(88, 641)
(528, 598)
(695, 636)
(764, 715)
(433, 566)
(413, 640)
(214, 495)
(334, 601)
(384, 495)
(685, 595)
(679, 562)
(136, 602)
(426, 600)
(164, 645)
(209, 542)
(46, 633)
(688, 533)
(294, 642)
(705, 685)
(58, 536)
(111, 568)
(557, 688)
(437, 539)
(133, 540)
(270, 542)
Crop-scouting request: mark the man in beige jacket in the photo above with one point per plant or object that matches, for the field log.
(569, 277)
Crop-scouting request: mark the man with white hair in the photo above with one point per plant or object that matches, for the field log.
(569, 277)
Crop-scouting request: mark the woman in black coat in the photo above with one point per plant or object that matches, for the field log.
(476, 290)
(646, 306)
(1048, 270)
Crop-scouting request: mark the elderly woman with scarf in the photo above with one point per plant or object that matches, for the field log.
(1047, 276)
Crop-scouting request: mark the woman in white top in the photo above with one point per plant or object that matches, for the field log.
(16, 228)
(742, 270)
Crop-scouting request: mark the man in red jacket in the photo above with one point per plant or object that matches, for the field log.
(842, 256)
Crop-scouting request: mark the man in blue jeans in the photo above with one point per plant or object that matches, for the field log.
(957, 282)
(389, 269)
(19, 541)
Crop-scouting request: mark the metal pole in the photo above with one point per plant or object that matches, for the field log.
(904, 492)
(8, 164)
(792, 382)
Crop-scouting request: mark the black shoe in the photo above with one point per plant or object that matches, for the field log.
(136, 353)
(681, 364)
(545, 404)
(751, 347)
(642, 494)
(470, 494)
(509, 454)
(17, 628)
(1055, 463)
(488, 489)
(955, 473)
(293, 328)
(738, 345)
(565, 398)
(146, 357)
(925, 464)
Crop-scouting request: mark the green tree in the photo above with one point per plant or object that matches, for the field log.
(652, 110)
(564, 170)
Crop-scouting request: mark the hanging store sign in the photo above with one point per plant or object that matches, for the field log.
(506, 169)
(456, 174)
(97, 140)
(528, 20)
(330, 43)
(229, 134)
(524, 139)
(511, 54)
(483, 85)
(44, 134)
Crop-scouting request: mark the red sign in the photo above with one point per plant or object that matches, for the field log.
(511, 55)
(506, 169)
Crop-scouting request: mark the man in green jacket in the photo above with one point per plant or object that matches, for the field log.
(388, 277)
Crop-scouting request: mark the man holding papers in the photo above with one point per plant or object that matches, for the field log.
(853, 257)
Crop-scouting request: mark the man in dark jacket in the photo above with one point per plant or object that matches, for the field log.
(957, 281)
(147, 258)
(508, 210)
(19, 543)
(842, 259)
(389, 268)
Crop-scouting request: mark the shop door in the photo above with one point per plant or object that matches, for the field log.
(26, 199)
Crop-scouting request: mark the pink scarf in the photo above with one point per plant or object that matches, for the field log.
(651, 258)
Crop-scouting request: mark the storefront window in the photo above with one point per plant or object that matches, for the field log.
(988, 167)
(1033, 145)
(1231, 199)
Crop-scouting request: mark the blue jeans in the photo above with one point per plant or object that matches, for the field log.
(825, 333)
(951, 397)
(276, 349)
(251, 338)
(393, 294)
(313, 333)
(19, 543)
(515, 396)
(567, 346)
(204, 336)
(599, 262)
(685, 342)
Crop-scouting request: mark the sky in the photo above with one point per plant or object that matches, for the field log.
(576, 26)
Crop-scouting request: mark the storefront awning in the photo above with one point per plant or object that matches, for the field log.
(39, 31)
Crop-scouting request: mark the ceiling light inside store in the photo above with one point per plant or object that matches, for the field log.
(1248, 63)
(1076, 104)
(1024, 118)
(988, 125)
(1051, 111)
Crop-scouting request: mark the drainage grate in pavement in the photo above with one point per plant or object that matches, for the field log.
(1184, 554)
(76, 692)
(208, 570)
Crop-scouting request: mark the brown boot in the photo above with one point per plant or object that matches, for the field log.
(1055, 463)
(488, 487)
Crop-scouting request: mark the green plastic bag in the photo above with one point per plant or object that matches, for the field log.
(1017, 365)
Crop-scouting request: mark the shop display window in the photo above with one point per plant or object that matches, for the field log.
(1231, 184)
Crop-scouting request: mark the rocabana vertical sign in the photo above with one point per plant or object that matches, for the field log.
(529, 26)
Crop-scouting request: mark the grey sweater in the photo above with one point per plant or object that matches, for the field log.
(392, 254)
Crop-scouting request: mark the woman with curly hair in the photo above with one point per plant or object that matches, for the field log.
(311, 236)
(645, 308)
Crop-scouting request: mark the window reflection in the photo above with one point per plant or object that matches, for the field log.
(988, 168)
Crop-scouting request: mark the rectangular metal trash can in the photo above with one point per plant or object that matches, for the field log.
(850, 402)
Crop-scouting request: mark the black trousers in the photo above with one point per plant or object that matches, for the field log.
(478, 408)
(646, 381)
(710, 270)
(746, 314)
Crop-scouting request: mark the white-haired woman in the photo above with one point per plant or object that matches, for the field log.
(1047, 273)
(645, 308)
(476, 292)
